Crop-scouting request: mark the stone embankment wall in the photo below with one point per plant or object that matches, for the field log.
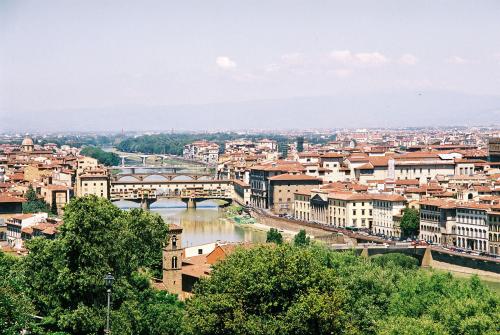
(285, 224)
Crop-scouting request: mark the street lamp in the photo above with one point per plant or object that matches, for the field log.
(108, 280)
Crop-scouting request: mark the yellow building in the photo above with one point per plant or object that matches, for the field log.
(302, 205)
(93, 181)
(346, 209)
(59, 194)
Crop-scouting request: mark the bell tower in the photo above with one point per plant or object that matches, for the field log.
(172, 260)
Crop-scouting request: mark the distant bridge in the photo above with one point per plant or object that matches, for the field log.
(155, 157)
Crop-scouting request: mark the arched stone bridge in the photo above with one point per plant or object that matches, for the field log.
(158, 177)
(155, 157)
(188, 188)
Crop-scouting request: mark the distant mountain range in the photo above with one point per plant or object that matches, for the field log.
(368, 110)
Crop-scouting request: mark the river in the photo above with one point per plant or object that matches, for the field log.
(204, 224)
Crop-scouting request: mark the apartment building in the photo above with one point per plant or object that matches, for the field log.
(494, 230)
(302, 205)
(93, 181)
(348, 209)
(202, 151)
(259, 180)
(385, 208)
(17, 223)
(472, 229)
(438, 221)
(282, 188)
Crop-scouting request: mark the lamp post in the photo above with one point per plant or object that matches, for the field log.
(108, 280)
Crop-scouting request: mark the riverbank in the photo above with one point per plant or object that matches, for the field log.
(238, 217)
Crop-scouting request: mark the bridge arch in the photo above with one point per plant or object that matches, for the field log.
(128, 178)
(182, 178)
(155, 177)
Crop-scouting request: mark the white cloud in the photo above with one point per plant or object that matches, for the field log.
(374, 58)
(457, 60)
(225, 63)
(360, 58)
(344, 56)
(408, 59)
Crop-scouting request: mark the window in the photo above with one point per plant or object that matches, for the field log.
(174, 241)
(174, 262)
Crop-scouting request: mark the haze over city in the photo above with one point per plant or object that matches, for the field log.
(212, 65)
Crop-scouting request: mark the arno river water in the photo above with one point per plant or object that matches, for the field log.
(204, 224)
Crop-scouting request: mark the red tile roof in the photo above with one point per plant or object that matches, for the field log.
(288, 176)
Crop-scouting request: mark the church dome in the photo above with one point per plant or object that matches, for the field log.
(27, 141)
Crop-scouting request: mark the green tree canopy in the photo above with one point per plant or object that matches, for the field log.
(16, 310)
(103, 157)
(301, 239)
(410, 222)
(311, 290)
(33, 204)
(274, 236)
(64, 277)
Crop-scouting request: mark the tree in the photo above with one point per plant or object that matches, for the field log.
(64, 277)
(16, 310)
(312, 290)
(300, 143)
(395, 259)
(274, 236)
(410, 222)
(33, 204)
(301, 239)
(103, 157)
(53, 207)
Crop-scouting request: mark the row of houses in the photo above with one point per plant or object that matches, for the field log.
(467, 225)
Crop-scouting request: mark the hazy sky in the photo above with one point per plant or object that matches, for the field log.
(98, 56)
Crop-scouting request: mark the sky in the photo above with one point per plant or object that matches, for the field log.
(207, 64)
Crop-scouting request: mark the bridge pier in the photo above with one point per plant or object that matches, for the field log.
(146, 203)
(190, 202)
(427, 258)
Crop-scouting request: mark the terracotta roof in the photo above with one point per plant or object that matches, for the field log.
(379, 160)
(9, 198)
(174, 227)
(53, 187)
(349, 196)
(288, 176)
(388, 197)
(438, 203)
(22, 216)
(407, 182)
(332, 155)
(308, 154)
(474, 205)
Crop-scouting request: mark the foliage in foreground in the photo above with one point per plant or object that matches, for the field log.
(63, 278)
(298, 288)
(311, 290)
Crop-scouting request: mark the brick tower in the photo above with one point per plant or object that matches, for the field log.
(172, 260)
